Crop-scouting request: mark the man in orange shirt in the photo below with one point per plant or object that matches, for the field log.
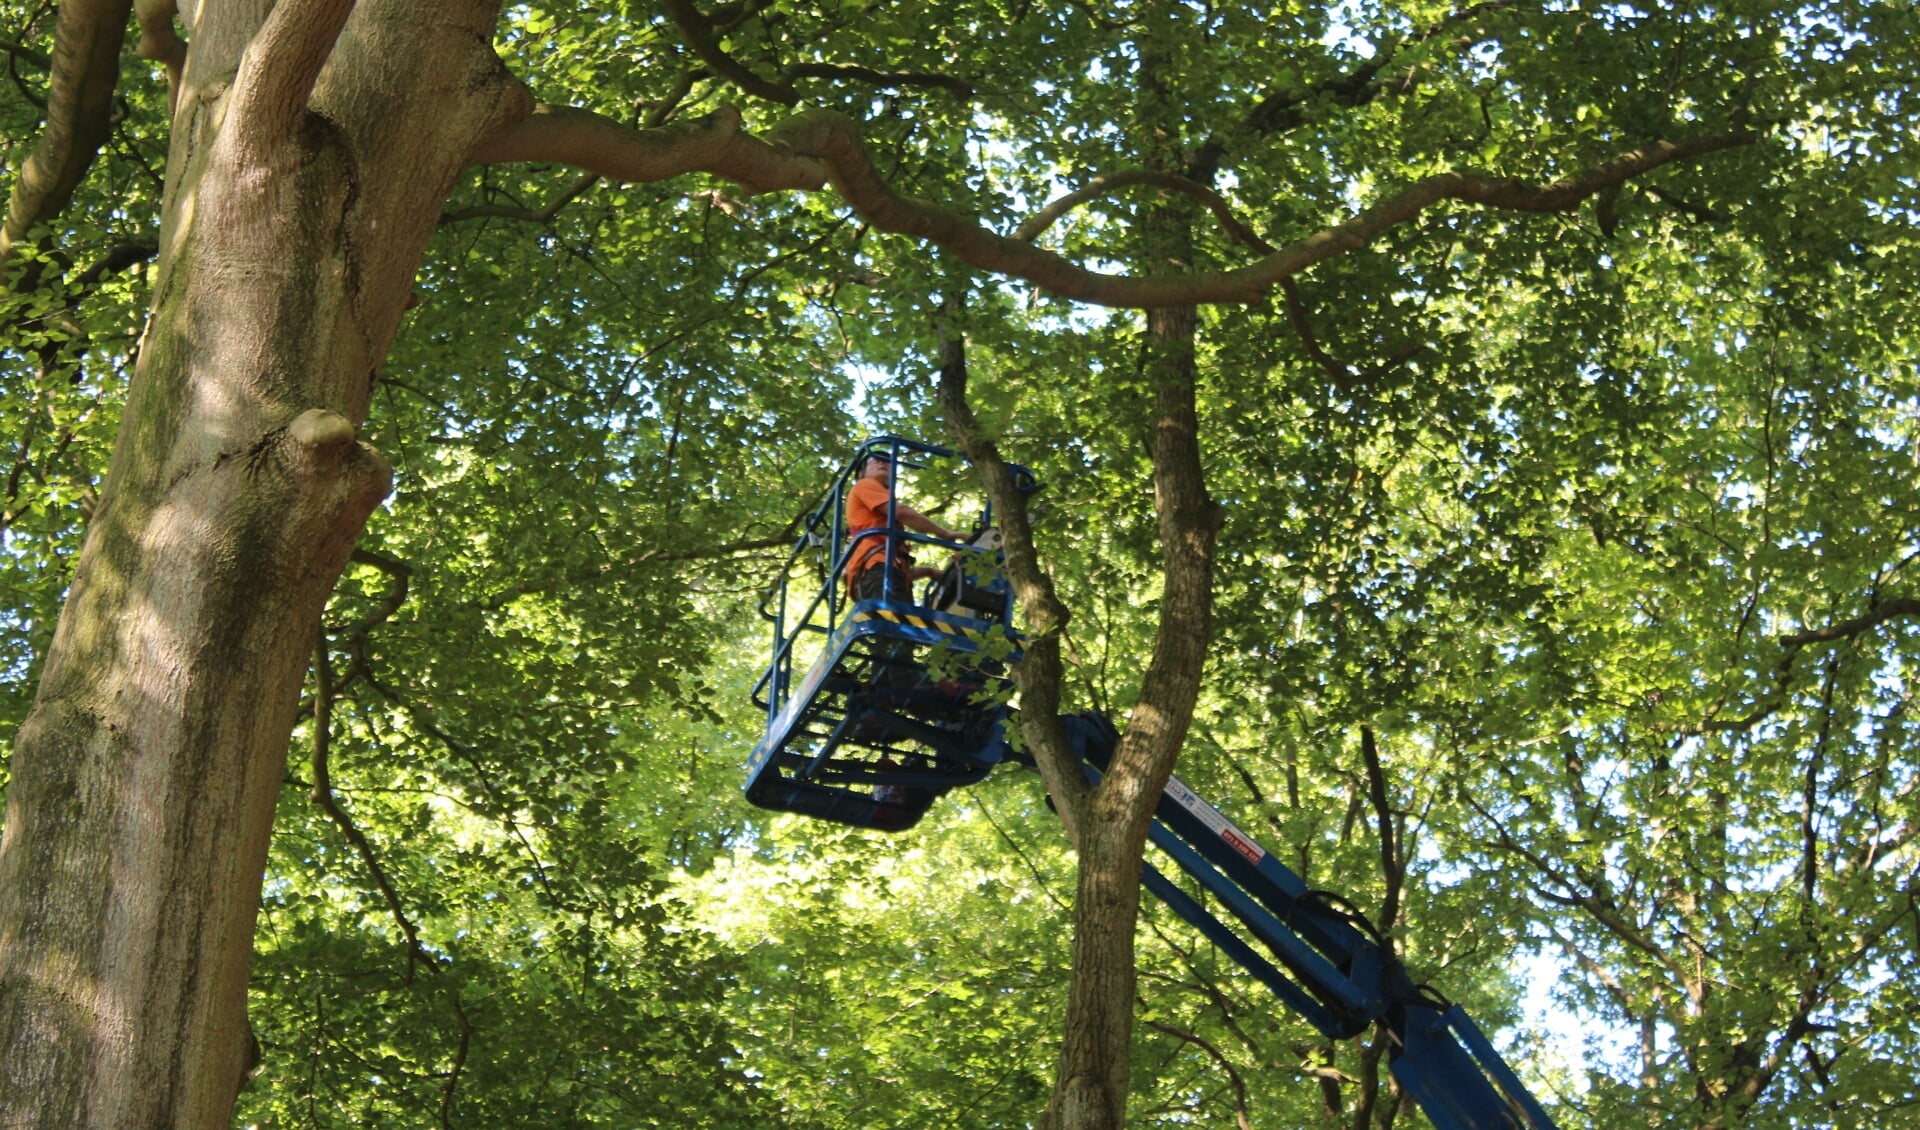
(868, 568)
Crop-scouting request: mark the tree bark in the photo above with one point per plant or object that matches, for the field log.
(311, 155)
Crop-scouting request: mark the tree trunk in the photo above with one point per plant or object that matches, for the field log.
(304, 178)
(1090, 1090)
(1108, 824)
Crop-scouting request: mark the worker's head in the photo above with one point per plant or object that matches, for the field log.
(877, 466)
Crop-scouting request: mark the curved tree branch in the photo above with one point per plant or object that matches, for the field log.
(1297, 317)
(39, 60)
(835, 142)
(1847, 629)
(1791, 645)
(817, 145)
(84, 68)
(322, 795)
(1045, 615)
(1283, 110)
(1392, 867)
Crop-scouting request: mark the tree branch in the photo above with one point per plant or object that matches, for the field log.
(118, 258)
(1392, 871)
(1045, 616)
(1240, 1109)
(1847, 629)
(1769, 703)
(449, 1088)
(1284, 109)
(85, 66)
(698, 31)
(958, 87)
(402, 574)
(817, 145)
(599, 144)
(835, 141)
(40, 60)
(159, 42)
(542, 216)
(280, 66)
(1237, 232)
(1698, 212)
(322, 795)
(599, 573)
(1297, 318)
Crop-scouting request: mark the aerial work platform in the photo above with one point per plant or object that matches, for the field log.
(904, 700)
(901, 699)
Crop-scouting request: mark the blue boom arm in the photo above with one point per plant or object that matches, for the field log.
(1316, 960)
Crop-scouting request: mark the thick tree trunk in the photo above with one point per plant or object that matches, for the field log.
(299, 203)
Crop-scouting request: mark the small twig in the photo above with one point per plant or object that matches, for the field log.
(1237, 231)
(543, 216)
(1213, 1053)
(958, 87)
(322, 795)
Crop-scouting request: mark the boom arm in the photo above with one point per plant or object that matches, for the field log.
(1322, 966)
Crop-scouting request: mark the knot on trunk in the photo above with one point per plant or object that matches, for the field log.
(321, 431)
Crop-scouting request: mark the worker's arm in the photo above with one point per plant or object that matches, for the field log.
(914, 520)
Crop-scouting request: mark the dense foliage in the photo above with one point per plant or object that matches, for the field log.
(1565, 605)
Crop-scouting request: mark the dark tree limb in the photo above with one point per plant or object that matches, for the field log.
(1045, 615)
(1770, 703)
(1297, 318)
(393, 567)
(1697, 212)
(698, 31)
(1392, 869)
(118, 258)
(1847, 629)
(38, 60)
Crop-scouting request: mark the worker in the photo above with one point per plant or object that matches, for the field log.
(869, 566)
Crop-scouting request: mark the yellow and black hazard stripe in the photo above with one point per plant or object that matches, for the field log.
(925, 622)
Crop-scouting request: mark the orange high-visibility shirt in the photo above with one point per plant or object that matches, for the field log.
(866, 510)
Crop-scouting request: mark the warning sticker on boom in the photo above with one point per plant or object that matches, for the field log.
(1217, 824)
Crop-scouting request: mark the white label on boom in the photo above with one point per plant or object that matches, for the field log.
(1217, 824)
